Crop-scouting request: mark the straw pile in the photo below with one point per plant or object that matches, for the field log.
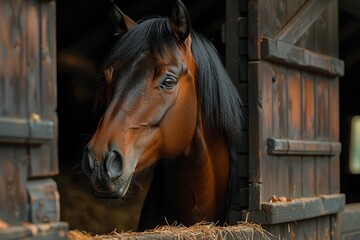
(243, 231)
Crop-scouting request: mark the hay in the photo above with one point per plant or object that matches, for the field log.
(243, 231)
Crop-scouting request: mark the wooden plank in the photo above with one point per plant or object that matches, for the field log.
(293, 162)
(322, 134)
(254, 45)
(266, 102)
(301, 21)
(46, 231)
(293, 230)
(278, 146)
(350, 218)
(276, 178)
(13, 175)
(324, 228)
(45, 201)
(292, 7)
(334, 118)
(32, 31)
(334, 123)
(12, 60)
(255, 103)
(300, 209)
(48, 59)
(288, 54)
(44, 159)
(260, 102)
(308, 134)
(23, 131)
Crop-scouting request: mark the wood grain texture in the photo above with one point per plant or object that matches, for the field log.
(301, 20)
(278, 146)
(300, 209)
(27, 86)
(288, 54)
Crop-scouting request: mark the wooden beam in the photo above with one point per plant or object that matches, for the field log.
(288, 54)
(297, 209)
(302, 21)
(349, 219)
(302, 147)
(24, 131)
(53, 230)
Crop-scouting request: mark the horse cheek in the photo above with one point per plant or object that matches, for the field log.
(178, 126)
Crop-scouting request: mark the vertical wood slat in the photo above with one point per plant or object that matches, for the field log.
(44, 158)
(32, 30)
(13, 175)
(294, 91)
(265, 101)
(322, 123)
(12, 59)
(13, 103)
(260, 97)
(308, 133)
(255, 104)
(279, 176)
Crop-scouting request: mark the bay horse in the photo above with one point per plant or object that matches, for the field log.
(169, 102)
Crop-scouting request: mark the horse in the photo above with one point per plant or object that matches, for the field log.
(169, 103)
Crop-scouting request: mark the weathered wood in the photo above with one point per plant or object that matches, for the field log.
(24, 131)
(308, 133)
(278, 180)
(291, 55)
(45, 201)
(299, 209)
(44, 160)
(294, 131)
(47, 231)
(301, 21)
(349, 221)
(278, 146)
(288, 101)
(48, 75)
(13, 177)
(28, 120)
(254, 45)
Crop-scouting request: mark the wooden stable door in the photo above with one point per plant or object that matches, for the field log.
(293, 103)
(28, 122)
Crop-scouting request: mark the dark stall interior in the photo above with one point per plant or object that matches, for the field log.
(349, 38)
(84, 38)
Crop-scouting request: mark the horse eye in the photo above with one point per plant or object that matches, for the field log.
(169, 83)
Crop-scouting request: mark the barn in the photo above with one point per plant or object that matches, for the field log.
(294, 62)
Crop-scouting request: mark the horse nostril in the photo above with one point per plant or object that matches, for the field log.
(114, 164)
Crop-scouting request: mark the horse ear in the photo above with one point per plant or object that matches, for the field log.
(180, 21)
(121, 22)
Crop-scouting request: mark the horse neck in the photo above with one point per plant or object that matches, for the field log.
(202, 177)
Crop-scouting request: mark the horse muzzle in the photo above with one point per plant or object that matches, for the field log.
(106, 175)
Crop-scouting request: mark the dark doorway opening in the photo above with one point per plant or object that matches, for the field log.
(84, 38)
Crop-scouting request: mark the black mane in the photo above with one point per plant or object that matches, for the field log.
(219, 99)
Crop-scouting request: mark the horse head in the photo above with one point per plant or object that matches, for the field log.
(151, 99)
